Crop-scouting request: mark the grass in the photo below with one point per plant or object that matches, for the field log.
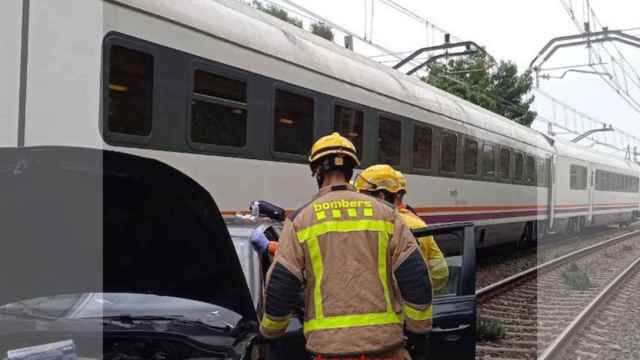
(489, 329)
(576, 279)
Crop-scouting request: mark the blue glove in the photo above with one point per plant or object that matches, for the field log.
(259, 240)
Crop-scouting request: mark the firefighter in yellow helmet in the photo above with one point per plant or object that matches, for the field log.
(356, 262)
(438, 268)
(384, 182)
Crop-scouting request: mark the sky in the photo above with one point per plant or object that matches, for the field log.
(512, 30)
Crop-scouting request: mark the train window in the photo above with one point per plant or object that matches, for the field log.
(488, 160)
(608, 181)
(218, 110)
(348, 122)
(130, 91)
(619, 182)
(422, 142)
(216, 86)
(470, 157)
(541, 171)
(600, 180)
(505, 163)
(530, 170)
(293, 123)
(449, 160)
(389, 135)
(519, 168)
(578, 177)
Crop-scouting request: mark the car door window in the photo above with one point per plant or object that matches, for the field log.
(454, 305)
(451, 248)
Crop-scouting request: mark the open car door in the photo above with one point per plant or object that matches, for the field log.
(454, 305)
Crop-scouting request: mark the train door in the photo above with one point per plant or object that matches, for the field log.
(553, 187)
(454, 306)
(590, 191)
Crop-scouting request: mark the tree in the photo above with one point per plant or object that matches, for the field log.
(323, 30)
(499, 89)
(278, 12)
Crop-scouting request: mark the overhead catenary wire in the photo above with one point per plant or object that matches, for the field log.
(522, 111)
(292, 6)
(513, 106)
(588, 13)
(393, 4)
(622, 57)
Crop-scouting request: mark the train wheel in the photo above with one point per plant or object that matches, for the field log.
(572, 226)
(541, 230)
(569, 229)
(528, 236)
(582, 224)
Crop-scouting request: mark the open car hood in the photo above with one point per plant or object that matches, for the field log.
(77, 220)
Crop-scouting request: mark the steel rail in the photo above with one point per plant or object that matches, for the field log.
(557, 347)
(503, 285)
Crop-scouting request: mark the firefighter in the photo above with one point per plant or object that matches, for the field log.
(357, 263)
(438, 268)
(383, 182)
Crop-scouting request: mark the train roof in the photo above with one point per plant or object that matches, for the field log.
(569, 149)
(235, 22)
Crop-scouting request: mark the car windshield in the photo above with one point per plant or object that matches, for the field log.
(98, 305)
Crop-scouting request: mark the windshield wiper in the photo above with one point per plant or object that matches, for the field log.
(173, 319)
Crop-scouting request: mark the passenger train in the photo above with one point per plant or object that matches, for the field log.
(234, 98)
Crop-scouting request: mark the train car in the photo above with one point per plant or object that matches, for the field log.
(592, 189)
(193, 86)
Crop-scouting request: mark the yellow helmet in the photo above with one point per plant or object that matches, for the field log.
(334, 144)
(378, 177)
(402, 181)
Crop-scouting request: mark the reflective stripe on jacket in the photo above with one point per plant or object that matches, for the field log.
(362, 274)
(438, 269)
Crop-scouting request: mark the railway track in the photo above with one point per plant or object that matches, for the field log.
(536, 305)
(491, 268)
(607, 327)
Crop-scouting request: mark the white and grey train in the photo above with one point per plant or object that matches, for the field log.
(234, 98)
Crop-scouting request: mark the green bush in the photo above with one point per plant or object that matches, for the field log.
(576, 279)
(489, 329)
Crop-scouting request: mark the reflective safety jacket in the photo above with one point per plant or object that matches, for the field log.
(361, 272)
(438, 269)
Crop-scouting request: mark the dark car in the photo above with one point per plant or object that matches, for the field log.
(124, 256)
(127, 258)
